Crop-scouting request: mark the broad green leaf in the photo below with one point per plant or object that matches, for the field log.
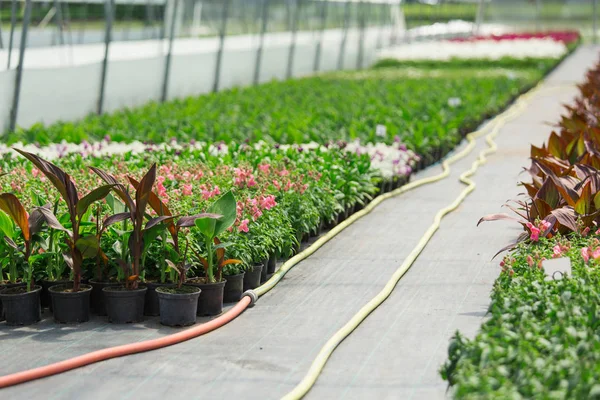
(88, 246)
(86, 201)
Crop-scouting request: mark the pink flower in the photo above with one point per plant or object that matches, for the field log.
(586, 231)
(284, 172)
(251, 182)
(596, 254)
(216, 191)
(186, 175)
(530, 261)
(35, 172)
(502, 263)
(160, 179)
(598, 232)
(557, 251)
(162, 190)
(277, 185)
(585, 253)
(187, 190)
(535, 232)
(264, 168)
(268, 202)
(545, 225)
(243, 226)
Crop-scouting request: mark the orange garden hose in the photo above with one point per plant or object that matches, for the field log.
(126, 349)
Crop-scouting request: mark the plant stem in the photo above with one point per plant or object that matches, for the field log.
(209, 257)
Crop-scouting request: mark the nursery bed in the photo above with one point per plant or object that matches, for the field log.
(266, 352)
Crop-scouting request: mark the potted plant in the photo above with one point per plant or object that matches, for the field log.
(55, 265)
(178, 305)
(21, 304)
(125, 303)
(102, 277)
(212, 284)
(10, 258)
(234, 283)
(152, 306)
(71, 302)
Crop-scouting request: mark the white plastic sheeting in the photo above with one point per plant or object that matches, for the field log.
(63, 84)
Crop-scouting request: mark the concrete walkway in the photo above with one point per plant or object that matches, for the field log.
(394, 354)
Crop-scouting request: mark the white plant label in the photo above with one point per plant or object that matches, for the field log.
(556, 268)
(381, 130)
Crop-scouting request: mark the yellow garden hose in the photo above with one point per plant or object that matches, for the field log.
(319, 362)
(495, 124)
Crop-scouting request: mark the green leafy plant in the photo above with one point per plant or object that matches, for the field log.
(80, 245)
(210, 227)
(29, 225)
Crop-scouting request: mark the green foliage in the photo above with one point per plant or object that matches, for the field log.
(323, 108)
(542, 337)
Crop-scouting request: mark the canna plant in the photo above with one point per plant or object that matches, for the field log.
(29, 225)
(81, 245)
(139, 236)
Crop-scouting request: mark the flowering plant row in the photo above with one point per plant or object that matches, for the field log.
(515, 47)
(541, 338)
(343, 106)
(566, 37)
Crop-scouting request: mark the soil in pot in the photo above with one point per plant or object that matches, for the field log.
(272, 264)
(97, 297)
(45, 295)
(151, 306)
(210, 301)
(124, 306)
(252, 277)
(20, 306)
(70, 307)
(177, 306)
(234, 287)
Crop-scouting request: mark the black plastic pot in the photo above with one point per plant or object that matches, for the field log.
(234, 287)
(45, 300)
(177, 309)
(70, 307)
(97, 303)
(210, 301)
(21, 308)
(151, 305)
(252, 277)
(124, 306)
(264, 273)
(7, 286)
(272, 264)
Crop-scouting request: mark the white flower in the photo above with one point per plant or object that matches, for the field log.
(479, 49)
(454, 102)
(381, 130)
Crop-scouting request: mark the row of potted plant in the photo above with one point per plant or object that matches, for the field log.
(540, 338)
(284, 194)
(322, 108)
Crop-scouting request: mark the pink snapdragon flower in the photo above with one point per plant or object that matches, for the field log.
(264, 168)
(530, 261)
(268, 202)
(535, 232)
(187, 190)
(545, 225)
(585, 253)
(243, 227)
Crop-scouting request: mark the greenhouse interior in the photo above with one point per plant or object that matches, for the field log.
(187, 184)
